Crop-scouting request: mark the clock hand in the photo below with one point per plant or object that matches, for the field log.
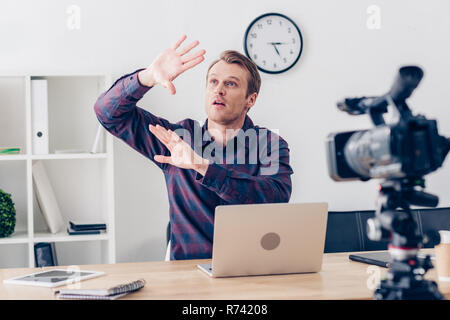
(278, 52)
(276, 43)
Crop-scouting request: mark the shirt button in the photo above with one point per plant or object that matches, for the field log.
(131, 78)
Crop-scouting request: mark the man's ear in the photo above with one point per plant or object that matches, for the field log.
(251, 100)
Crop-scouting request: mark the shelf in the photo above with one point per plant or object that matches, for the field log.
(10, 157)
(56, 156)
(20, 236)
(64, 237)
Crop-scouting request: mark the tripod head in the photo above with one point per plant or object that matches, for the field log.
(398, 226)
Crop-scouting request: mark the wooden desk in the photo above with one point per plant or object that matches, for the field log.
(340, 278)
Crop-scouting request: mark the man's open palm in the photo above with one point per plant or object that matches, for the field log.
(171, 63)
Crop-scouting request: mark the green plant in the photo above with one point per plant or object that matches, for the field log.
(7, 215)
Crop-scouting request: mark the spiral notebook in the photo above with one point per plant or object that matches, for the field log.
(101, 293)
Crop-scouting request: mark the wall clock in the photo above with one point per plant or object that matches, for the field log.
(273, 42)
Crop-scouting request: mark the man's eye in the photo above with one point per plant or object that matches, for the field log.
(231, 84)
(213, 81)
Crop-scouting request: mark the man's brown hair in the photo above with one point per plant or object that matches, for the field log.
(254, 79)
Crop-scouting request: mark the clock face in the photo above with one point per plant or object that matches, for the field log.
(273, 42)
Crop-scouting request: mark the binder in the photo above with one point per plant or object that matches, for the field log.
(46, 198)
(97, 139)
(39, 116)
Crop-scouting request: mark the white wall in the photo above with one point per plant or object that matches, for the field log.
(341, 57)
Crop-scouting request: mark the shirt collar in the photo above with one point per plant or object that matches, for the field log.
(248, 123)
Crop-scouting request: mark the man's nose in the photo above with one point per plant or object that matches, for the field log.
(220, 89)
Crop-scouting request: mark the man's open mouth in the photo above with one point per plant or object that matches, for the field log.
(218, 103)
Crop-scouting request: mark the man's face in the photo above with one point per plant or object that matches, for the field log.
(226, 90)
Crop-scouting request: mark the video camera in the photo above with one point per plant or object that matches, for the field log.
(410, 147)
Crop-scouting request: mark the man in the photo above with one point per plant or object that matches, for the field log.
(197, 180)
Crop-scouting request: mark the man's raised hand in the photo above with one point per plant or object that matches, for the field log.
(170, 64)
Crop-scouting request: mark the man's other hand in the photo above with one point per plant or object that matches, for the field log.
(181, 153)
(170, 64)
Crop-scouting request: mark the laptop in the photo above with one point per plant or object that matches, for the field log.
(270, 238)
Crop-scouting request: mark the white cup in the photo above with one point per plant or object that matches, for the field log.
(442, 253)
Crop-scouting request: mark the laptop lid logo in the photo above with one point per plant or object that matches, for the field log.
(270, 241)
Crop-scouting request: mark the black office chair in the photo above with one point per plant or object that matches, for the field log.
(346, 231)
(168, 234)
(167, 256)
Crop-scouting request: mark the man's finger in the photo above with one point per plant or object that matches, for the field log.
(170, 137)
(163, 131)
(161, 137)
(163, 159)
(193, 56)
(169, 85)
(193, 63)
(188, 48)
(174, 136)
(179, 42)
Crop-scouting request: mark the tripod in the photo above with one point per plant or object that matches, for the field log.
(405, 277)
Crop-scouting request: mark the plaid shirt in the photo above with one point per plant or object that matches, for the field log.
(192, 196)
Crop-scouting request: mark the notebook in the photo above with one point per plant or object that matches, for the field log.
(78, 226)
(96, 291)
(71, 231)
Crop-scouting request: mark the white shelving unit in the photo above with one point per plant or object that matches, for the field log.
(83, 182)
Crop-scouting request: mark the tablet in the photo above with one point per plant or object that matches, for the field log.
(54, 278)
(380, 258)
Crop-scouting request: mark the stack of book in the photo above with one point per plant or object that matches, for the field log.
(75, 228)
(9, 150)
